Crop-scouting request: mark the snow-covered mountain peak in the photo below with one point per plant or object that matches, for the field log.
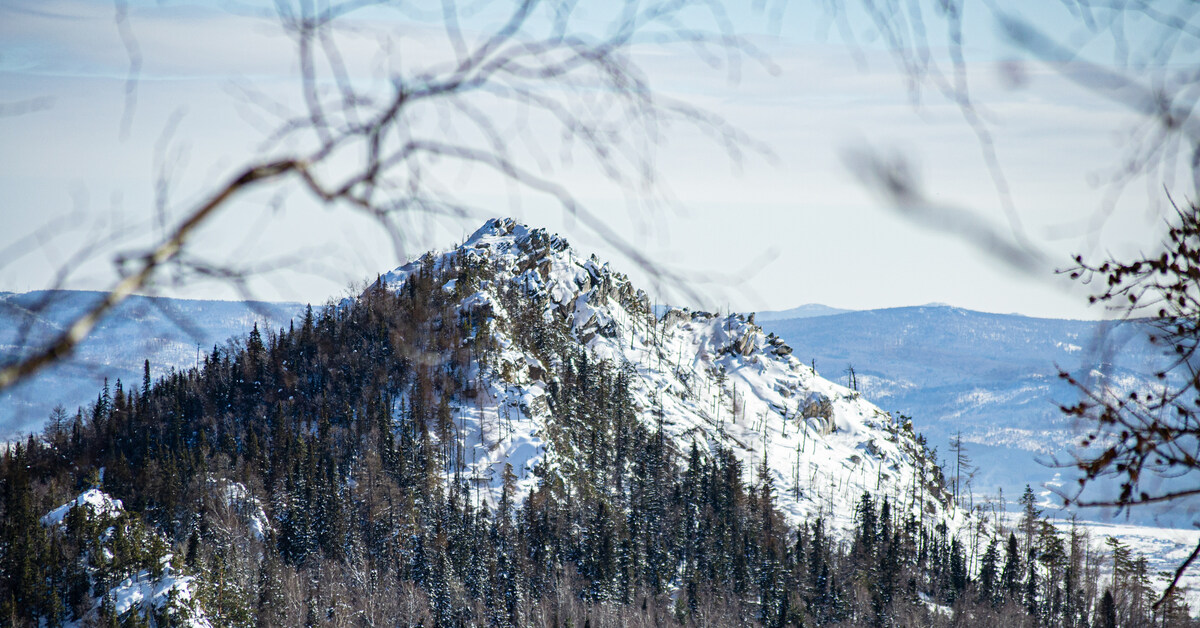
(717, 381)
(541, 263)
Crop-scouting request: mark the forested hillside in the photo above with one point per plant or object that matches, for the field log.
(169, 332)
(505, 435)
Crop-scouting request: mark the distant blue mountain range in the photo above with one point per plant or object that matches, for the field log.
(171, 333)
(808, 310)
(992, 377)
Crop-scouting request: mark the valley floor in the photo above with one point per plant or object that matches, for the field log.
(1164, 548)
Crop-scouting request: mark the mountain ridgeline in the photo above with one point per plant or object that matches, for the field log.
(504, 434)
(168, 332)
(991, 380)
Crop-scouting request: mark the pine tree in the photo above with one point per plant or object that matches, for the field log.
(1030, 514)
(1031, 596)
(1010, 577)
(988, 576)
(867, 532)
(958, 570)
(1107, 613)
(145, 395)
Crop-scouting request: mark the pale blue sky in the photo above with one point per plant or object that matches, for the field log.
(770, 233)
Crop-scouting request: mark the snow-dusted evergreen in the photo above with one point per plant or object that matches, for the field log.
(126, 570)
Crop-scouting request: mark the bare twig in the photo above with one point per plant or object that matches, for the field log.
(162, 254)
(1179, 571)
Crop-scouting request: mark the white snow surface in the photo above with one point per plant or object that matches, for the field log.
(146, 590)
(100, 503)
(248, 508)
(821, 462)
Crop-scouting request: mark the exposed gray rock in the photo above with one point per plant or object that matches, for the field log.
(818, 406)
(673, 318)
(584, 282)
(745, 344)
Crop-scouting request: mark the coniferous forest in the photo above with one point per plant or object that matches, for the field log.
(314, 476)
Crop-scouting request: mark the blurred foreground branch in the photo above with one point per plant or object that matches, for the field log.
(492, 89)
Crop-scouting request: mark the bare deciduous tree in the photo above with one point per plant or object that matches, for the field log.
(1147, 439)
(493, 87)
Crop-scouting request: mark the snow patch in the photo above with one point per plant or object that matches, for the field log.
(100, 504)
(168, 590)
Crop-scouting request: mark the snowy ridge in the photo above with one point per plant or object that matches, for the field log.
(717, 381)
(159, 591)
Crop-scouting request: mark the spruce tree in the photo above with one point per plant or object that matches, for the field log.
(988, 576)
(1010, 577)
(1107, 613)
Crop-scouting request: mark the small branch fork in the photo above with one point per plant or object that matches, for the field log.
(380, 151)
(163, 254)
(1152, 433)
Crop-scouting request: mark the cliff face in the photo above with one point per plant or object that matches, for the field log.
(709, 380)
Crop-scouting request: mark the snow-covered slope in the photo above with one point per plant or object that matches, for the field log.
(711, 380)
(991, 377)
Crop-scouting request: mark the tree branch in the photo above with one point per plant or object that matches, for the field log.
(164, 253)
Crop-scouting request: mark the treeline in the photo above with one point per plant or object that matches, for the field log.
(340, 429)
